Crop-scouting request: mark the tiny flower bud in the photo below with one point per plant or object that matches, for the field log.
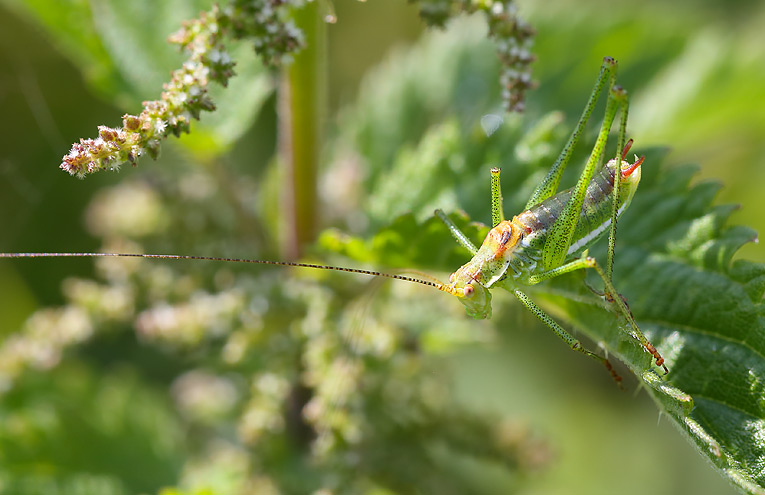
(131, 122)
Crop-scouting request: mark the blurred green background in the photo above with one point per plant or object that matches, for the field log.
(696, 74)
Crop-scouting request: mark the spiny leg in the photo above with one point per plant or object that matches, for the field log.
(607, 296)
(497, 211)
(573, 343)
(622, 305)
(549, 184)
(458, 235)
(621, 154)
(590, 262)
(497, 214)
(559, 239)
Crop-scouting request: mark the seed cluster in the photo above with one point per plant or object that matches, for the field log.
(512, 35)
(275, 38)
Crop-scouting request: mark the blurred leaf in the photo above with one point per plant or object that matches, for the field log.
(70, 24)
(57, 429)
(119, 46)
(237, 106)
(122, 49)
(436, 77)
(406, 243)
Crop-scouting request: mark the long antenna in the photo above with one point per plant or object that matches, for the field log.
(429, 283)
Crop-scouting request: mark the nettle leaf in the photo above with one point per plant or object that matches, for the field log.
(704, 313)
(441, 75)
(673, 263)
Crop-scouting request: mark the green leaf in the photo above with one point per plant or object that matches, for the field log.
(407, 94)
(70, 24)
(406, 243)
(673, 264)
(703, 312)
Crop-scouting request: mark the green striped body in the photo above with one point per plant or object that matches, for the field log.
(594, 218)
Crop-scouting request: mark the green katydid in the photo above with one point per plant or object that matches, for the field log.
(540, 243)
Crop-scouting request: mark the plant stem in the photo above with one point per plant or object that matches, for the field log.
(302, 102)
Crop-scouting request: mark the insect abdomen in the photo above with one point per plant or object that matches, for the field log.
(595, 216)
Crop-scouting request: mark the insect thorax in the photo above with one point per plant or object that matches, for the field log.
(495, 256)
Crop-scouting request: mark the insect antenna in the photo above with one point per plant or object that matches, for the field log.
(430, 283)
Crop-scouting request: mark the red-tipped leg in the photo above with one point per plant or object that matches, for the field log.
(649, 347)
(657, 357)
(617, 378)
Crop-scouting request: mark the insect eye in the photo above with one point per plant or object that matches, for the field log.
(468, 290)
(452, 277)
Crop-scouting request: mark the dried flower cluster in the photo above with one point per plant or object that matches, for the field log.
(185, 96)
(512, 35)
(275, 39)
